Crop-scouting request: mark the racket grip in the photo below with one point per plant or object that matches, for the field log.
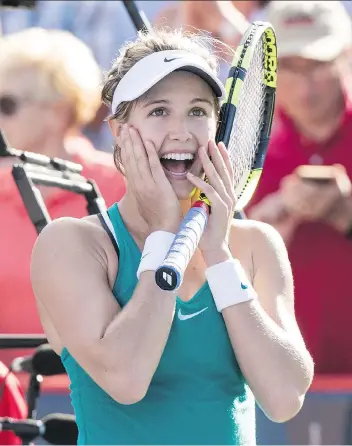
(169, 275)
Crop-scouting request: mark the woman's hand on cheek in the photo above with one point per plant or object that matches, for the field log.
(220, 191)
(156, 199)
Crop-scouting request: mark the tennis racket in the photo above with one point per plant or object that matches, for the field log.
(137, 16)
(244, 127)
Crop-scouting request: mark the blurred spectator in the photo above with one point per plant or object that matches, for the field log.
(314, 215)
(49, 88)
(46, 93)
(103, 25)
(225, 20)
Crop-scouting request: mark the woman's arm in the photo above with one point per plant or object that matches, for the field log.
(264, 333)
(119, 349)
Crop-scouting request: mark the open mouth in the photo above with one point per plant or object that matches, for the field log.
(177, 164)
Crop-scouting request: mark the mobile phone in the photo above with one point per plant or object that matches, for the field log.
(316, 174)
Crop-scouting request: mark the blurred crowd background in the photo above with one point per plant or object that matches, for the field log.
(52, 60)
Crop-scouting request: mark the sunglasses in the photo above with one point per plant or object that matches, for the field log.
(9, 104)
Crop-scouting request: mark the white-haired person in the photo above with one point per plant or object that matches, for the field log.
(149, 366)
(50, 87)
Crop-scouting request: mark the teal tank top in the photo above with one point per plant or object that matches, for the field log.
(198, 394)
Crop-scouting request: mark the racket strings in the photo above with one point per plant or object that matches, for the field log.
(248, 122)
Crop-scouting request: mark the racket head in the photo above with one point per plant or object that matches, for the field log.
(246, 115)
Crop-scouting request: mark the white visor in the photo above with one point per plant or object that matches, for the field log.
(151, 69)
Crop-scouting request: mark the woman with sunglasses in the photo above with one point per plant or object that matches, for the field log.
(45, 97)
(49, 90)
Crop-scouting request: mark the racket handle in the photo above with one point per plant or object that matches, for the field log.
(169, 275)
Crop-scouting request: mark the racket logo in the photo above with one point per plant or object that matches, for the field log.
(167, 278)
(270, 60)
(202, 196)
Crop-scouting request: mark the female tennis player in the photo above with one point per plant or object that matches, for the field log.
(149, 366)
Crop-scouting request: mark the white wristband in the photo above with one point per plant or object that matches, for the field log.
(229, 284)
(156, 246)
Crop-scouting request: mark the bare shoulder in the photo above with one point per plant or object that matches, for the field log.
(258, 237)
(66, 234)
(76, 239)
(270, 265)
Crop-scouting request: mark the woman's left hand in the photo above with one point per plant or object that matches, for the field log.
(220, 191)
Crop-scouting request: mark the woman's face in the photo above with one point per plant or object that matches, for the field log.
(178, 115)
(25, 118)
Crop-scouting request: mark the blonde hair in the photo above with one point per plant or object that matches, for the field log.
(64, 66)
(145, 44)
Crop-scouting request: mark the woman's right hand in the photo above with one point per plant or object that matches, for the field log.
(156, 199)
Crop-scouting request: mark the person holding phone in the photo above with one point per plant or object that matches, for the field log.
(305, 191)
